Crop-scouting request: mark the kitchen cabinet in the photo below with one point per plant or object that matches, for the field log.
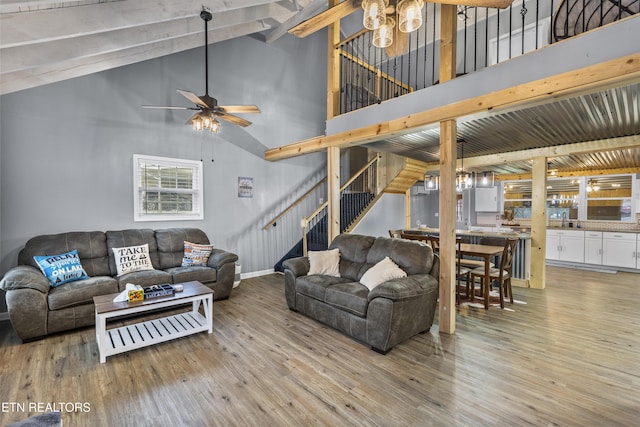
(619, 249)
(487, 199)
(593, 247)
(565, 245)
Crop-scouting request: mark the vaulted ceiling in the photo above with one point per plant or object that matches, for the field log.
(45, 41)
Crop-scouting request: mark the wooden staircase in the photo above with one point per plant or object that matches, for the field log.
(411, 172)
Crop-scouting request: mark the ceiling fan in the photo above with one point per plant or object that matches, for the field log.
(390, 20)
(206, 106)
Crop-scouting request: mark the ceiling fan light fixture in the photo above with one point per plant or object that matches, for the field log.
(409, 15)
(374, 13)
(205, 122)
(383, 36)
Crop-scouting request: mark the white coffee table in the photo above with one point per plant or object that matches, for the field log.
(150, 332)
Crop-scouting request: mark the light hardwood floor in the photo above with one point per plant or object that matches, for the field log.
(570, 357)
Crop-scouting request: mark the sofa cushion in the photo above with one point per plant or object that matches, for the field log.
(188, 274)
(132, 237)
(132, 258)
(80, 292)
(324, 262)
(351, 297)
(412, 256)
(381, 272)
(91, 247)
(196, 255)
(62, 268)
(315, 286)
(353, 254)
(170, 243)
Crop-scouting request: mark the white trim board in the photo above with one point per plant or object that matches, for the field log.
(256, 273)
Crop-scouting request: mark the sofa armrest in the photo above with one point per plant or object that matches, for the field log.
(220, 257)
(298, 266)
(406, 287)
(25, 277)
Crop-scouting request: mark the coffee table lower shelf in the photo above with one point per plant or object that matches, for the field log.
(145, 333)
(132, 337)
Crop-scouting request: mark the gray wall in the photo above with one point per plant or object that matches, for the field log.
(66, 148)
(387, 214)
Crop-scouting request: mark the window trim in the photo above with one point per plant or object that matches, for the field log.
(197, 190)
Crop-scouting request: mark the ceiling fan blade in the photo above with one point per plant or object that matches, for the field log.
(325, 18)
(193, 98)
(243, 109)
(234, 119)
(498, 4)
(169, 107)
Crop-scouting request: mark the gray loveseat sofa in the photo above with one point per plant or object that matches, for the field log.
(383, 317)
(37, 309)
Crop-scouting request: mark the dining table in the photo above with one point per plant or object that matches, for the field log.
(486, 252)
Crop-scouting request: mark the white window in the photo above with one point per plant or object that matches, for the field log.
(167, 189)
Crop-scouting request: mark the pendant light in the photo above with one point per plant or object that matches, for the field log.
(374, 13)
(409, 15)
(383, 35)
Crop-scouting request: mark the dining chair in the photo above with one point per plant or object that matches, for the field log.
(395, 233)
(412, 236)
(434, 242)
(462, 272)
(502, 275)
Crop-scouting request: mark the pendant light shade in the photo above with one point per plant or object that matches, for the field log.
(485, 179)
(409, 15)
(431, 182)
(383, 36)
(374, 13)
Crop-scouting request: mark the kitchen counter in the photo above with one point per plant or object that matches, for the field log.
(520, 232)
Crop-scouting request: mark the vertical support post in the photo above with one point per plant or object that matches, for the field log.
(407, 208)
(333, 109)
(538, 222)
(333, 67)
(448, 138)
(333, 192)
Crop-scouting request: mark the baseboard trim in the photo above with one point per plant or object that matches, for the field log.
(256, 273)
(4, 316)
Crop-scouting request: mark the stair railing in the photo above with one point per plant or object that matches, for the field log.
(299, 200)
(363, 181)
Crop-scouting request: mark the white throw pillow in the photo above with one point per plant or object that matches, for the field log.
(381, 272)
(324, 262)
(132, 258)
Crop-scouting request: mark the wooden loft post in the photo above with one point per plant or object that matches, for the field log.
(333, 192)
(538, 222)
(407, 208)
(448, 137)
(333, 67)
(333, 109)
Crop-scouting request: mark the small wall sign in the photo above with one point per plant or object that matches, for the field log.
(245, 186)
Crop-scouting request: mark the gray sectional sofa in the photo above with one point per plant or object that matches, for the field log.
(37, 309)
(388, 314)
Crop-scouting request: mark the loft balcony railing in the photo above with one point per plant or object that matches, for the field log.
(370, 75)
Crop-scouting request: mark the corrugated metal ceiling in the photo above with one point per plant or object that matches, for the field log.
(610, 113)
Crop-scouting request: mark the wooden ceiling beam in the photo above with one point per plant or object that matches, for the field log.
(595, 146)
(588, 79)
(569, 174)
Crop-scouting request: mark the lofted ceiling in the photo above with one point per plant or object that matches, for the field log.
(45, 41)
